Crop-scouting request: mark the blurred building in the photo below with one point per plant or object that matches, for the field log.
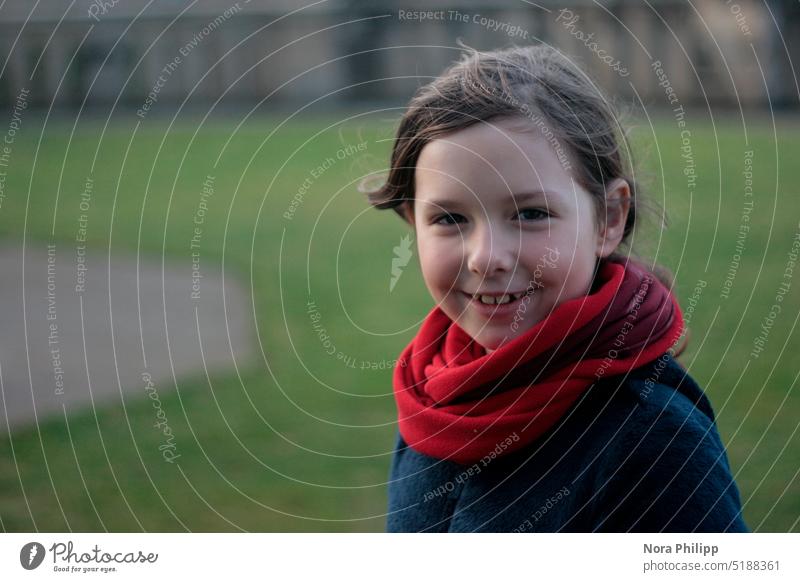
(157, 53)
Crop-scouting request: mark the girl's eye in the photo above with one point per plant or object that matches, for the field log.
(532, 214)
(449, 219)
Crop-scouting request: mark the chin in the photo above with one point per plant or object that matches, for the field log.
(491, 341)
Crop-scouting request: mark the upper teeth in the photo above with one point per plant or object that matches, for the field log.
(490, 300)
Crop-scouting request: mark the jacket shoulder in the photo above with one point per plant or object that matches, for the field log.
(665, 384)
(673, 473)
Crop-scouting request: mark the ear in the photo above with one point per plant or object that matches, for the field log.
(612, 226)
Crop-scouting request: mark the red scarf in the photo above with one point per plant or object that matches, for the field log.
(457, 402)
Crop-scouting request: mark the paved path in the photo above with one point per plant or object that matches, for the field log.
(66, 351)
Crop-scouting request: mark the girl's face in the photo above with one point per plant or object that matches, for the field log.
(504, 233)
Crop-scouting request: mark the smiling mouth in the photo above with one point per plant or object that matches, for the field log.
(497, 304)
(498, 299)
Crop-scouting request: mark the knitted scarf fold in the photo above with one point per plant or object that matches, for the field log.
(459, 403)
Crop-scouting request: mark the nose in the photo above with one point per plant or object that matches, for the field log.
(490, 252)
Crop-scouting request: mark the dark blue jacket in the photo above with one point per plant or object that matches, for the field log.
(639, 453)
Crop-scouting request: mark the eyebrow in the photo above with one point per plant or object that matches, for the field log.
(522, 196)
(518, 198)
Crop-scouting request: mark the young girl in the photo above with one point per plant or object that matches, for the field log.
(540, 394)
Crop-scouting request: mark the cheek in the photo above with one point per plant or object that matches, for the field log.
(440, 260)
(572, 275)
(563, 265)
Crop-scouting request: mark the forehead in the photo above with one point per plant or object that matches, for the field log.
(497, 156)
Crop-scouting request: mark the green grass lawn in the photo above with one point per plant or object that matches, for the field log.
(299, 440)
